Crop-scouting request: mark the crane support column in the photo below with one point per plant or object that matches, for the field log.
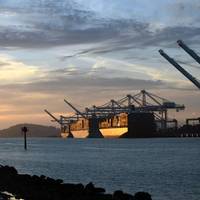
(93, 131)
(70, 135)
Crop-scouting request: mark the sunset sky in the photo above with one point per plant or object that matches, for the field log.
(90, 51)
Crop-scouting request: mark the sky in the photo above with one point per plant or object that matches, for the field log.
(91, 51)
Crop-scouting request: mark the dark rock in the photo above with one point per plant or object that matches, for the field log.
(142, 196)
(120, 195)
(7, 170)
(90, 189)
(41, 187)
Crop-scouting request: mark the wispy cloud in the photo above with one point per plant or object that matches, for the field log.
(47, 23)
(91, 51)
(12, 71)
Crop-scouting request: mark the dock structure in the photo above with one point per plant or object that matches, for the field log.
(186, 130)
(143, 109)
(191, 128)
(193, 120)
(93, 129)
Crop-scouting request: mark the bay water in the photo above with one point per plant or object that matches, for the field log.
(167, 168)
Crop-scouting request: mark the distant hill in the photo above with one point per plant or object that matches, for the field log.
(34, 131)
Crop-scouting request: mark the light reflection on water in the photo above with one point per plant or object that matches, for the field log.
(166, 168)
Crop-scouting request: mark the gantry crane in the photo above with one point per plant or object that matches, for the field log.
(142, 102)
(181, 69)
(64, 122)
(93, 120)
(188, 50)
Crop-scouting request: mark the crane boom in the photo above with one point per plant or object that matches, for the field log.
(77, 111)
(189, 51)
(57, 120)
(177, 66)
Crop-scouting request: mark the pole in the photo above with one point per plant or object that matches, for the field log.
(24, 130)
(25, 144)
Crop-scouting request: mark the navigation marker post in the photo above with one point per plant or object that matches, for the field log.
(25, 130)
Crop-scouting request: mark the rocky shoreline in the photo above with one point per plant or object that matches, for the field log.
(27, 187)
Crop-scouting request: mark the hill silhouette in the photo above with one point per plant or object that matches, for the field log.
(35, 130)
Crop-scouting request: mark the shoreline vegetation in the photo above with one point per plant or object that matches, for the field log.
(27, 187)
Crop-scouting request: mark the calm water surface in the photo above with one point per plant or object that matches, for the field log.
(169, 169)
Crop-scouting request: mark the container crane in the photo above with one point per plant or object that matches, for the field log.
(181, 69)
(64, 122)
(93, 122)
(75, 109)
(142, 102)
(56, 119)
(188, 50)
(111, 112)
